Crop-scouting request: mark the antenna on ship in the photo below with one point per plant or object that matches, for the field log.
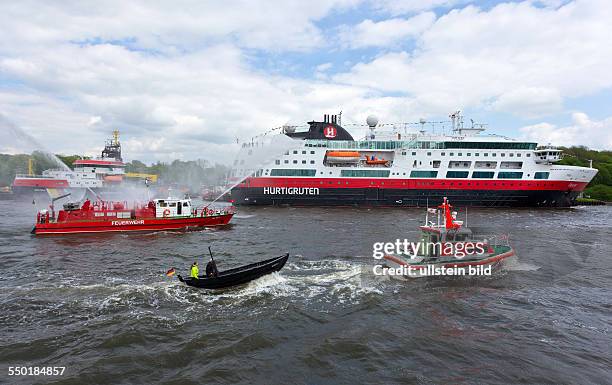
(456, 119)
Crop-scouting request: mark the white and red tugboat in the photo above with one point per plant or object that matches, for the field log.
(102, 217)
(447, 244)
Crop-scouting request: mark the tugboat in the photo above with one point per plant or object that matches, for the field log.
(103, 216)
(449, 244)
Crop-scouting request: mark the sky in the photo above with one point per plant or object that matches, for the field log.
(185, 79)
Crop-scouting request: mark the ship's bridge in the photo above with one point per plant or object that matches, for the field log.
(547, 154)
(171, 207)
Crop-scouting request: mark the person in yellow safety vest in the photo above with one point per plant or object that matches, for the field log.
(195, 272)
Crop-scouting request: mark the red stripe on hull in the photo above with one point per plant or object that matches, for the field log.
(420, 184)
(121, 225)
(42, 182)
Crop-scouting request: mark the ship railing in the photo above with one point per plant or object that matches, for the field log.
(205, 211)
(495, 239)
(372, 144)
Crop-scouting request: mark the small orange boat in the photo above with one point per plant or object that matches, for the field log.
(374, 161)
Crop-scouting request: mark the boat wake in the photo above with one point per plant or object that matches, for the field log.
(513, 264)
(324, 285)
(243, 216)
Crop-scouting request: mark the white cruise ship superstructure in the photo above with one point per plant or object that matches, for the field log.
(328, 167)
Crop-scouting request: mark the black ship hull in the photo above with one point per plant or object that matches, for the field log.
(407, 197)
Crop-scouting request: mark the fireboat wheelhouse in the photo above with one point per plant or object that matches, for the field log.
(445, 244)
(103, 216)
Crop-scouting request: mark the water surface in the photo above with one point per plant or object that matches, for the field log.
(101, 305)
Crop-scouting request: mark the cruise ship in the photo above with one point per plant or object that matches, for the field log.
(326, 166)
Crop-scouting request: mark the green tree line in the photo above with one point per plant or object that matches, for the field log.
(601, 186)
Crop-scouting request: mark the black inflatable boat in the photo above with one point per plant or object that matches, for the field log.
(238, 275)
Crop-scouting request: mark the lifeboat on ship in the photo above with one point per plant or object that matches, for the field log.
(376, 162)
(343, 156)
(103, 216)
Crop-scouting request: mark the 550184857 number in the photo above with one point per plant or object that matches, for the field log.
(36, 370)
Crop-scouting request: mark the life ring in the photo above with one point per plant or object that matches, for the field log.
(166, 212)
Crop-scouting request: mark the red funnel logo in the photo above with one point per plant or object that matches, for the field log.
(330, 132)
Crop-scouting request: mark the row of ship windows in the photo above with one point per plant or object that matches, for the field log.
(435, 163)
(413, 174)
(119, 214)
(390, 145)
(294, 161)
(486, 154)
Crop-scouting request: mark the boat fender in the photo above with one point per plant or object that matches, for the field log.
(166, 212)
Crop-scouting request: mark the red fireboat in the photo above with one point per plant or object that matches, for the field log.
(103, 217)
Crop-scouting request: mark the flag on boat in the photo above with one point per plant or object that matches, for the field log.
(432, 211)
(170, 272)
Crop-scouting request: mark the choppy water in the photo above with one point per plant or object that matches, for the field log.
(101, 306)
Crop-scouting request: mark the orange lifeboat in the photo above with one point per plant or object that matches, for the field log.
(343, 156)
(374, 161)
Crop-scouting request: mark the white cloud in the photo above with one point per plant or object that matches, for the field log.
(385, 33)
(169, 27)
(179, 84)
(321, 71)
(191, 106)
(529, 101)
(94, 120)
(584, 131)
(475, 58)
(395, 7)
(324, 67)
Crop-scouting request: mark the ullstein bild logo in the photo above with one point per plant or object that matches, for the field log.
(291, 190)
